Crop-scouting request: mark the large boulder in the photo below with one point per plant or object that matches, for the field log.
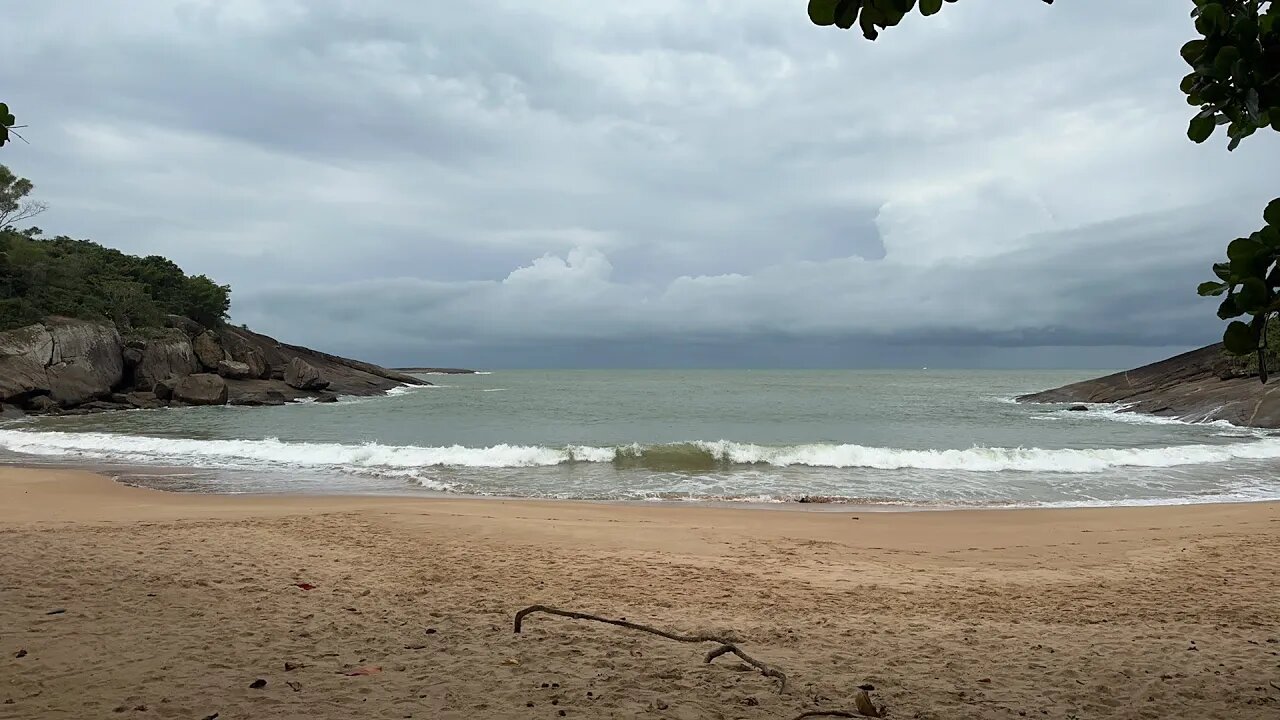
(71, 361)
(201, 389)
(25, 353)
(208, 350)
(241, 349)
(234, 370)
(302, 375)
(168, 355)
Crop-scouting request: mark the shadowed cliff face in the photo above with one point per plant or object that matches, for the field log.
(65, 365)
(1193, 386)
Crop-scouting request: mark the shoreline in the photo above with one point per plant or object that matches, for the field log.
(119, 600)
(115, 473)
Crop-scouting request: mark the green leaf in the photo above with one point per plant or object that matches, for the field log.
(1228, 309)
(1191, 52)
(1222, 270)
(1272, 214)
(1253, 295)
(847, 13)
(1201, 128)
(1243, 250)
(1239, 338)
(1207, 289)
(930, 7)
(822, 12)
(868, 26)
(1269, 236)
(1225, 59)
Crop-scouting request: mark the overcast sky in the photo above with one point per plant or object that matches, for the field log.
(660, 183)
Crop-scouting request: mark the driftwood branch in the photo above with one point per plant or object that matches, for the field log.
(727, 643)
(827, 713)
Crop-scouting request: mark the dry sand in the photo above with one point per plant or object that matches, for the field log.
(175, 604)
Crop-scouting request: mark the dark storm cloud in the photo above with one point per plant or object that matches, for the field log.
(670, 182)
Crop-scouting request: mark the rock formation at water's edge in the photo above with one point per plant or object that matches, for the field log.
(1196, 386)
(76, 366)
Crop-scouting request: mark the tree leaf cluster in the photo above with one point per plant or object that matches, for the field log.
(1235, 69)
(1249, 284)
(871, 16)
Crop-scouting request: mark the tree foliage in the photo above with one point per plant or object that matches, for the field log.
(14, 204)
(82, 279)
(1234, 81)
(871, 16)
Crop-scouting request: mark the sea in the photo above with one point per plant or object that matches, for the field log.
(887, 439)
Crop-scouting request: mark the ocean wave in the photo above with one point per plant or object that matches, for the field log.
(675, 457)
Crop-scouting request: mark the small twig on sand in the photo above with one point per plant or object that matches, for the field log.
(1274, 685)
(827, 713)
(727, 644)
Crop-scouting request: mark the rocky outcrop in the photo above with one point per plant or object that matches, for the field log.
(1194, 386)
(200, 389)
(208, 350)
(144, 400)
(76, 366)
(233, 370)
(437, 371)
(167, 355)
(67, 361)
(301, 375)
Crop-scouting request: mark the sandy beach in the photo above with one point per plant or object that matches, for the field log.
(125, 602)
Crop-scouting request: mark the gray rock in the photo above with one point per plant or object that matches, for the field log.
(144, 400)
(201, 389)
(103, 406)
(234, 370)
(72, 361)
(163, 389)
(208, 350)
(167, 356)
(132, 356)
(42, 404)
(260, 398)
(10, 412)
(1187, 386)
(189, 327)
(327, 397)
(302, 375)
(1078, 408)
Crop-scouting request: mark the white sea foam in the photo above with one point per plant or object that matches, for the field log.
(377, 457)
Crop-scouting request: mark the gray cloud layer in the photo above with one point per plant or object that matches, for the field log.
(659, 183)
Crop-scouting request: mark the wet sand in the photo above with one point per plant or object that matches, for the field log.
(173, 605)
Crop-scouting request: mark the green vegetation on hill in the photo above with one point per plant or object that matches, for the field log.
(82, 279)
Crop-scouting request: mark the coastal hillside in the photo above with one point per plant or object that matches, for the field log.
(1200, 385)
(86, 328)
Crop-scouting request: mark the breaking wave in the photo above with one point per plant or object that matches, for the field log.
(690, 457)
